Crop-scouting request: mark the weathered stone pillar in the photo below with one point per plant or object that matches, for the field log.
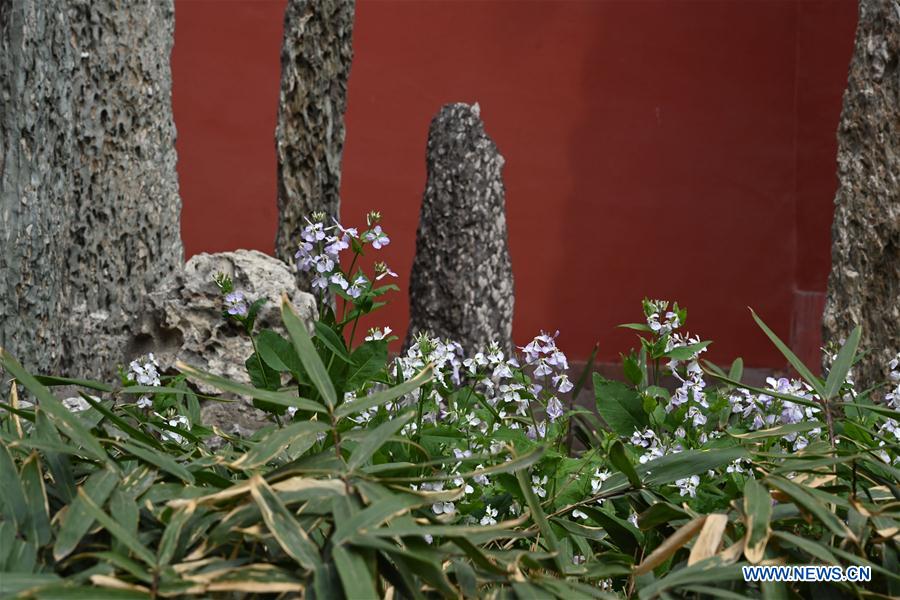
(461, 285)
(89, 205)
(864, 286)
(309, 138)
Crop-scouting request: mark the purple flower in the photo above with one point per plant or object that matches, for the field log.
(378, 237)
(554, 409)
(235, 304)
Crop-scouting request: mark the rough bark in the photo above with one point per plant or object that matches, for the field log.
(89, 205)
(461, 286)
(864, 286)
(309, 138)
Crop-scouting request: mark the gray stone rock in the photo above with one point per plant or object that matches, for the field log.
(184, 322)
(864, 286)
(461, 286)
(309, 139)
(89, 205)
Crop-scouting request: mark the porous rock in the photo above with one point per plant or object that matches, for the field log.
(184, 322)
(309, 138)
(461, 285)
(89, 204)
(864, 285)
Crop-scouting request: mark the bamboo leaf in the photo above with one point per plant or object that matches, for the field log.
(537, 513)
(289, 534)
(78, 520)
(798, 365)
(36, 499)
(841, 365)
(157, 459)
(670, 545)
(375, 439)
(314, 366)
(384, 396)
(757, 514)
(355, 575)
(116, 530)
(226, 385)
(710, 538)
(272, 445)
(12, 499)
(68, 423)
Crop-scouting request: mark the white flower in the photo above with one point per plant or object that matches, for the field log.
(562, 383)
(320, 282)
(144, 371)
(144, 402)
(77, 403)
(179, 421)
(490, 516)
(378, 237)
(538, 486)
(578, 559)
(338, 280)
(688, 485)
(579, 514)
(377, 334)
(598, 479)
(443, 508)
(554, 409)
(357, 288)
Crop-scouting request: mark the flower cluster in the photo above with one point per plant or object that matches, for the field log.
(320, 251)
(762, 411)
(144, 370)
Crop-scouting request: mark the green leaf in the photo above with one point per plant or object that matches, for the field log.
(758, 512)
(619, 459)
(367, 361)
(290, 535)
(77, 520)
(375, 439)
(737, 369)
(13, 584)
(811, 547)
(116, 530)
(157, 459)
(841, 366)
(12, 498)
(808, 502)
(172, 533)
(68, 423)
(792, 358)
(686, 352)
(384, 396)
(355, 575)
(537, 513)
(226, 385)
(672, 467)
(332, 341)
(376, 514)
(277, 352)
(262, 375)
(271, 445)
(621, 407)
(121, 423)
(313, 365)
(36, 499)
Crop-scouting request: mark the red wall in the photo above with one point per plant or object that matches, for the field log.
(673, 149)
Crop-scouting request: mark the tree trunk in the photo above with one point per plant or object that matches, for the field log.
(309, 138)
(89, 205)
(864, 286)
